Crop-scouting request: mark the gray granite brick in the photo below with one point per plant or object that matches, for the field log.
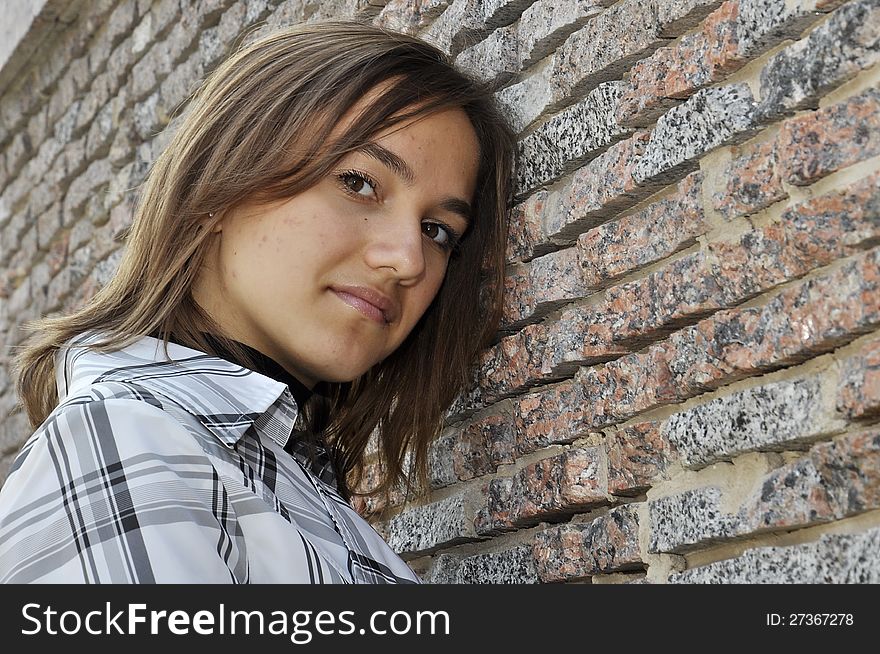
(421, 529)
(848, 42)
(769, 417)
(522, 103)
(710, 118)
(569, 138)
(683, 520)
(833, 559)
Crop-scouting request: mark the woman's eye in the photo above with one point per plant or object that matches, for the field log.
(440, 234)
(358, 184)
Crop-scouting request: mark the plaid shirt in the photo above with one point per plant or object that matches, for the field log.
(174, 471)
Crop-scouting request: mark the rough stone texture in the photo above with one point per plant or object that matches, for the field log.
(675, 72)
(547, 23)
(523, 102)
(553, 415)
(566, 139)
(422, 529)
(484, 444)
(679, 16)
(753, 179)
(808, 318)
(494, 517)
(848, 42)
(571, 551)
(409, 16)
(832, 559)
(858, 396)
(659, 230)
(711, 117)
(768, 417)
(597, 189)
(525, 234)
(511, 566)
(603, 48)
(527, 294)
(829, 139)
(458, 27)
(568, 482)
(443, 570)
(495, 59)
(638, 456)
(440, 466)
(835, 480)
(687, 518)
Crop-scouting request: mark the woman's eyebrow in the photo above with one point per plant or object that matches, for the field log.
(397, 165)
(402, 169)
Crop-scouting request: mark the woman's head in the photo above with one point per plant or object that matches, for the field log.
(275, 162)
(331, 281)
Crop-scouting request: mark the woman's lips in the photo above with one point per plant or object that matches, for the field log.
(366, 307)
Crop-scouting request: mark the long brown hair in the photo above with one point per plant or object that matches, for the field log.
(259, 128)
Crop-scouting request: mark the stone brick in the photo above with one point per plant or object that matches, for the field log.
(547, 23)
(638, 456)
(811, 234)
(558, 485)
(833, 559)
(409, 16)
(565, 141)
(850, 470)
(811, 317)
(659, 230)
(555, 414)
(422, 529)
(497, 13)
(604, 48)
(48, 225)
(514, 362)
(753, 181)
(630, 314)
(829, 139)
(443, 570)
(494, 518)
(679, 16)
(440, 465)
(675, 72)
(495, 59)
(848, 42)
(529, 296)
(680, 521)
(458, 27)
(858, 396)
(571, 551)
(774, 416)
(483, 444)
(582, 335)
(835, 480)
(764, 23)
(598, 189)
(522, 103)
(710, 118)
(525, 233)
(510, 566)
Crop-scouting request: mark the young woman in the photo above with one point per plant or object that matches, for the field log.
(315, 260)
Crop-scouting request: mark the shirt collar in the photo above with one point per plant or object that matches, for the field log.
(223, 396)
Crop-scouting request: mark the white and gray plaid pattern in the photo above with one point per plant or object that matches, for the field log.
(158, 471)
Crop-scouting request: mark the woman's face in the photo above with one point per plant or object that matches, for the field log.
(330, 282)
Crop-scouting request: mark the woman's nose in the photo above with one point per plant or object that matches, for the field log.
(397, 244)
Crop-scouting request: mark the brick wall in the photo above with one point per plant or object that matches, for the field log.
(685, 386)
